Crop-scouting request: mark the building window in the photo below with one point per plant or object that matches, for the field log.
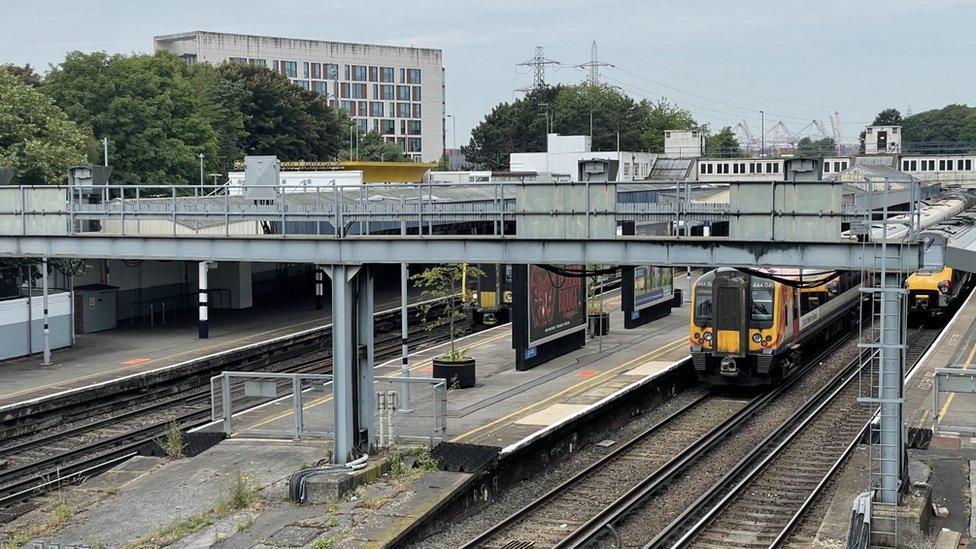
(414, 127)
(344, 89)
(363, 108)
(388, 127)
(289, 69)
(932, 165)
(941, 165)
(914, 166)
(362, 124)
(305, 71)
(403, 110)
(238, 60)
(416, 93)
(413, 76)
(386, 92)
(969, 164)
(316, 71)
(359, 91)
(322, 88)
(374, 74)
(349, 106)
(413, 144)
(303, 83)
(375, 108)
(386, 74)
(331, 71)
(403, 93)
(263, 63)
(775, 168)
(359, 73)
(403, 127)
(345, 72)
(403, 77)
(416, 110)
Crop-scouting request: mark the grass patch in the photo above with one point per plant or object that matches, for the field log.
(333, 508)
(241, 493)
(374, 503)
(172, 442)
(325, 543)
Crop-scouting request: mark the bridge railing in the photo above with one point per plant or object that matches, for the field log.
(180, 210)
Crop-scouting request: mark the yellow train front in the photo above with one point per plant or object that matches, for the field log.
(489, 296)
(935, 292)
(748, 329)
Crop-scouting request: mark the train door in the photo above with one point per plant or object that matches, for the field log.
(730, 317)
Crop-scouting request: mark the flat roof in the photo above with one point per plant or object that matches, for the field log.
(195, 33)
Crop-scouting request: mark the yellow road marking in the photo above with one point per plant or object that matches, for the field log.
(948, 401)
(667, 347)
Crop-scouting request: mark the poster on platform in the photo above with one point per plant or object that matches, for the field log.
(652, 285)
(556, 304)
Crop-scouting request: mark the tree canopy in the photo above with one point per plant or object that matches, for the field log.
(283, 119)
(604, 112)
(36, 137)
(147, 107)
(723, 144)
(373, 148)
(825, 146)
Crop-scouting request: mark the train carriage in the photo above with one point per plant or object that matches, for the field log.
(751, 328)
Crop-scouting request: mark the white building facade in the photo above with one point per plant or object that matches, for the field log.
(395, 91)
(564, 152)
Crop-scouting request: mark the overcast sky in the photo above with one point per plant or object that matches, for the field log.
(722, 60)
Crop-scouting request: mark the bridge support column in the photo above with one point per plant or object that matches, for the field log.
(203, 323)
(352, 359)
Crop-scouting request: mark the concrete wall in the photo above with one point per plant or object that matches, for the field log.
(17, 332)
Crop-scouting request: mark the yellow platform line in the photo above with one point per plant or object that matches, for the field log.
(948, 401)
(326, 399)
(581, 386)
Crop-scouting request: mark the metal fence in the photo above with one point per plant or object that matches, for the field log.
(300, 406)
(956, 382)
(410, 410)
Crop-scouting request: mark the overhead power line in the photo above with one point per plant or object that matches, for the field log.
(538, 63)
(594, 65)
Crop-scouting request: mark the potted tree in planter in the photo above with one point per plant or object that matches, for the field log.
(598, 318)
(454, 366)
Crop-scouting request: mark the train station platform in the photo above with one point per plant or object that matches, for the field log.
(130, 350)
(507, 407)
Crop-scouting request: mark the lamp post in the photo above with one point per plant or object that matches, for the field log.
(453, 131)
(201, 169)
(762, 134)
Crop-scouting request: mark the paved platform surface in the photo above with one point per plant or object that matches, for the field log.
(507, 406)
(127, 350)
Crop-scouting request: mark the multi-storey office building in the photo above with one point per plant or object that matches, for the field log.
(395, 91)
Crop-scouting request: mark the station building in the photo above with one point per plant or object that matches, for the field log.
(395, 91)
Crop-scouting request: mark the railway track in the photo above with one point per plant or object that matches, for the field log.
(579, 509)
(34, 463)
(763, 499)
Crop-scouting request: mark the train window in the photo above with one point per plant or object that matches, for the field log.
(703, 306)
(762, 305)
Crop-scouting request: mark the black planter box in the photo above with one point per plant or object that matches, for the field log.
(459, 374)
(599, 324)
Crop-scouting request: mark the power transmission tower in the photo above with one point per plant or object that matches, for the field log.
(539, 63)
(594, 66)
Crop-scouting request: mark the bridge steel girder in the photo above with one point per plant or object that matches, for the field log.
(693, 251)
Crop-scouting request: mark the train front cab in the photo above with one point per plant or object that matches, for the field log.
(933, 292)
(490, 296)
(733, 328)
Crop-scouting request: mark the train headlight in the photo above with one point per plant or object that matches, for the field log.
(507, 296)
(945, 286)
(707, 336)
(756, 337)
(474, 296)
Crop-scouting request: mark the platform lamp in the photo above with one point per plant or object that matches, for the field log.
(201, 155)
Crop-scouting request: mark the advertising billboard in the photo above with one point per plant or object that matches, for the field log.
(652, 285)
(556, 305)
